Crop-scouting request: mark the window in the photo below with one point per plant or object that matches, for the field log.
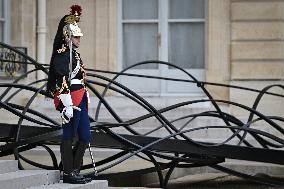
(5, 21)
(139, 32)
(167, 30)
(186, 33)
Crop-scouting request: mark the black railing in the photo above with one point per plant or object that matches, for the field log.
(176, 146)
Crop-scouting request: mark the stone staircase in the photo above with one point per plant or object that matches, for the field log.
(128, 110)
(13, 178)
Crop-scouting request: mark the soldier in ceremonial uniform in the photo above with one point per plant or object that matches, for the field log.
(66, 84)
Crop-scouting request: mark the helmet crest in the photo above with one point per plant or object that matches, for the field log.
(76, 10)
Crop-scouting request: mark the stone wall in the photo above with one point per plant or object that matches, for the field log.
(23, 26)
(98, 25)
(257, 51)
(218, 45)
(257, 48)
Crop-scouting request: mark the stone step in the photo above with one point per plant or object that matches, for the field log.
(119, 101)
(95, 184)
(7, 166)
(129, 114)
(153, 121)
(136, 111)
(12, 178)
(129, 110)
(123, 106)
(28, 178)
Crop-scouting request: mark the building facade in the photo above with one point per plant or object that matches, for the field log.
(238, 42)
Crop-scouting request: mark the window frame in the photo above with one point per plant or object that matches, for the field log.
(6, 20)
(163, 28)
(163, 33)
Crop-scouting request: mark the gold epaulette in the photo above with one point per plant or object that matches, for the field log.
(61, 50)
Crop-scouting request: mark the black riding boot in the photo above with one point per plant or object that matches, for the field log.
(69, 175)
(79, 151)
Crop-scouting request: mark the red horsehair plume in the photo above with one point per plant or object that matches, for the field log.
(76, 10)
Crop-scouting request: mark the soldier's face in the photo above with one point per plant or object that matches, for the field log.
(76, 41)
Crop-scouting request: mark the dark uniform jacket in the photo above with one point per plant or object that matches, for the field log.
(61, 73)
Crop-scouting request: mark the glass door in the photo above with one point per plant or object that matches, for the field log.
(138, 31)
(167, 30)
(185, 27)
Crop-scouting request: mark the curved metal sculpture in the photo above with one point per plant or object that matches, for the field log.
(33, 128)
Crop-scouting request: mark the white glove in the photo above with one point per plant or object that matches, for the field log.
(68, 112)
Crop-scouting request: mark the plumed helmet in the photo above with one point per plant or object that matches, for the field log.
(67, 26)
(73, 28)
(71, 21)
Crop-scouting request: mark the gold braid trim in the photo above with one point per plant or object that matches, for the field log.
(83, 71)
(61, 50)
(63, 86)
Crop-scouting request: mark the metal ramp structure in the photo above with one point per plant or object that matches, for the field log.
(27, 127)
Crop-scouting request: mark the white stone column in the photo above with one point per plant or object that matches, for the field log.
(41, 34)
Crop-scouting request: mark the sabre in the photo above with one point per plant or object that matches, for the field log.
(92, 158)
(70, 53)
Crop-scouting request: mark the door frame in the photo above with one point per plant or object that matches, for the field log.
(163, 54)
